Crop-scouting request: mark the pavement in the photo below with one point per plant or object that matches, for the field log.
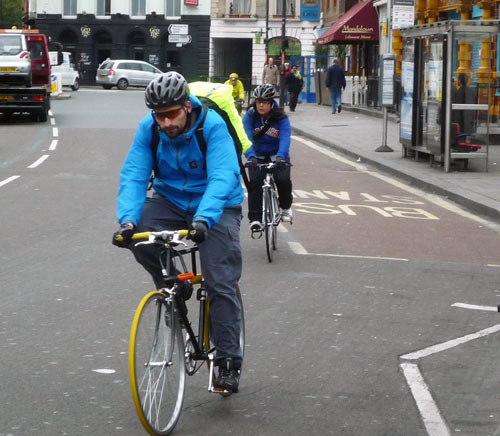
(357, 133)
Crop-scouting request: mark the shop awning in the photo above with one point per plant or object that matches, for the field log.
(360, 23)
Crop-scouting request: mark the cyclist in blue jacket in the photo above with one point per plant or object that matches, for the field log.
(268, 127)
(191, 191)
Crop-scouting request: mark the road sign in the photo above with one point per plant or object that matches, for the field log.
(178, 29)
(183, 39)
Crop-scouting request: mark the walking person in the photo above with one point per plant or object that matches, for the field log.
(268, 127)
(271, 74)
(287, 70)
(191, 191)
(294, 84)
(335, 82)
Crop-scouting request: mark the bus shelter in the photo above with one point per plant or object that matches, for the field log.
(447, 90)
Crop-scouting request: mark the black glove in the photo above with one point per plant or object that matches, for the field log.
(280, 163)
(251, 162)
(198, 232)
(123, 236)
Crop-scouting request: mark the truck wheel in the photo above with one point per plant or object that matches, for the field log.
(122, 84)
(76, 85)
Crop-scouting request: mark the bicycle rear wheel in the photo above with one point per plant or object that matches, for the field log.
(268, 224)
(156, 364)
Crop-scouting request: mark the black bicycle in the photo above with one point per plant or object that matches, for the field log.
(160, 355)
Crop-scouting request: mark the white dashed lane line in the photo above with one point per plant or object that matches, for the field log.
(53, 145)
(10, 179)
(39, 161)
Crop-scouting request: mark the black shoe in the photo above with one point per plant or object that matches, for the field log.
(339, 108)
(229, 377)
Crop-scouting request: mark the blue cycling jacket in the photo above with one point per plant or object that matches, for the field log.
(183, 178)
(276, 141)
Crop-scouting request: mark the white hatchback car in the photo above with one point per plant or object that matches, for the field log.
(124, 73)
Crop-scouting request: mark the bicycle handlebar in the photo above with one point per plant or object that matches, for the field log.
(164, 235)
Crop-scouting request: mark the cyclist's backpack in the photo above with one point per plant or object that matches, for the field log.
(218, 97)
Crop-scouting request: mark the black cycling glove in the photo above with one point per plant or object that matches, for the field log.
(280, 163)
(123, 236)
(251, 162)
(198, 232)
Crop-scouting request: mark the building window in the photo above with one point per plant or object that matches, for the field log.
(173, 8)
(290, 7)
(103, 7)
(69, 7)
(241, 7)
(138, 8)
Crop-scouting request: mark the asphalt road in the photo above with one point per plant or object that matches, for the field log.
(370, 272)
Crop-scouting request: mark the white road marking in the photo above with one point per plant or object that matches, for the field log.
(52, 121)
(437, 200)
(39, 161)
(298, 248)
(50, 112)
(433, 421)
(493, 265)
(104, 371)
(450, 344)
(53, 144)
(475, 307)
(8, 180)
(55, 132)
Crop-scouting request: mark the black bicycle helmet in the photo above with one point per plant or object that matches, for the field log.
(264, 92)
(166, 90)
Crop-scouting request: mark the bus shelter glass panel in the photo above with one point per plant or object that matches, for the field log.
(432, 92)
(406, 126)
(471, 92)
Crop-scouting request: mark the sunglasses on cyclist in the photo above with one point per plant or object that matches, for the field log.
(168, 114)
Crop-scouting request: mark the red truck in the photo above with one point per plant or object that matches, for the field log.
(25, 73)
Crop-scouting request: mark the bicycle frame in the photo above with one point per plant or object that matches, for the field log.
(172, 281)
(269, 190)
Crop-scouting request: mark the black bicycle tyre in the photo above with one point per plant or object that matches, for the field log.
(268, 224)
(155, 338)
(276, 220)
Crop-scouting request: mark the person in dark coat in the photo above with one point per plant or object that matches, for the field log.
(294, 84)
(335, 82)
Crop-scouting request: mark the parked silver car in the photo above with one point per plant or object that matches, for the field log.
(124, 72)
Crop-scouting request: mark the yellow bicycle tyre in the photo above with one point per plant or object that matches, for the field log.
(134, 382)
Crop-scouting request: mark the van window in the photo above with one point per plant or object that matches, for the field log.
(148, 68)
(133, 66)
(10, 44)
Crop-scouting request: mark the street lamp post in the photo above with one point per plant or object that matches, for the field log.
(267, 28)
(283, 48)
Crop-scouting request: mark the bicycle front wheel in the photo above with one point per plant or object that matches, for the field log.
(156, 364)
(276, 220)
(268, 224)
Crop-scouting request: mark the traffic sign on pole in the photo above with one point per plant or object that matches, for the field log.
(178, 29)
(183, 39)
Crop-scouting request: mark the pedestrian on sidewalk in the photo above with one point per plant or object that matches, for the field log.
(294, 84)
(271, 74)
(335, 82)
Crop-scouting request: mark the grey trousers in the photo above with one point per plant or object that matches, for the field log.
(221, 264)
